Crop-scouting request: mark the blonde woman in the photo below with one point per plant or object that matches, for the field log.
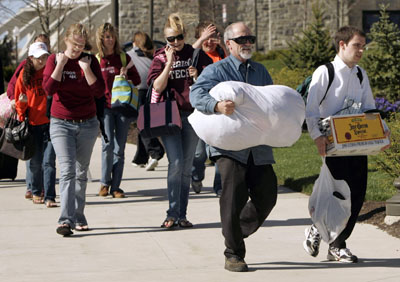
(74, 79)
(116, 124)
(171, 70)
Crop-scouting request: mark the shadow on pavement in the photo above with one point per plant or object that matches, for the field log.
(288, 222)
(139, 229)
(363, 262)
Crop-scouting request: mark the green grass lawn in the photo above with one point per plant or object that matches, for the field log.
(297, 167)
(273, 65)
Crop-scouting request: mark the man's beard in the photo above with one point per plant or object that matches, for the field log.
(246, 53)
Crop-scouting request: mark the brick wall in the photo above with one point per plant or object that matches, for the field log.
(278, 21)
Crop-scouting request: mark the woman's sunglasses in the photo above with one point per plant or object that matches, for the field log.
(172, 38)
(243, 39)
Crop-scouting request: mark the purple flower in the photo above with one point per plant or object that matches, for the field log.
(384, 105)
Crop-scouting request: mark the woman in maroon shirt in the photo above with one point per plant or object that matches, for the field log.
(74, 80)
(116, 124)
(172, 70)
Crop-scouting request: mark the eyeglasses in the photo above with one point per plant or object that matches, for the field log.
(178, 37)
(243, 39)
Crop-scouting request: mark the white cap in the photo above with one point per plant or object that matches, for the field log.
(37, 49)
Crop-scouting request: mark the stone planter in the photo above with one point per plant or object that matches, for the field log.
(393, 205)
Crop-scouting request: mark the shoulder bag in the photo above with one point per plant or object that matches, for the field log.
(159, 119)
(17, 140)
(124, 95)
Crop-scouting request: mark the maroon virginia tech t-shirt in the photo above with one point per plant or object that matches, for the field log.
(179, 79)
(73, 97)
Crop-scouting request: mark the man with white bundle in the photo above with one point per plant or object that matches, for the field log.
(246, 172)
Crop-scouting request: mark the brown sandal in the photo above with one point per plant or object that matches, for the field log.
(64, 230)
(184, 223)
(168, 223)
(37, 199)
(82, 228)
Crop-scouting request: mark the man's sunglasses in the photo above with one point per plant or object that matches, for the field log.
(243, 39)
(172, 38)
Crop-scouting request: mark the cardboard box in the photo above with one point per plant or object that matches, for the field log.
(359, 134)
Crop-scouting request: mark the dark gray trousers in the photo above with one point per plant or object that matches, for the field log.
(239, 216)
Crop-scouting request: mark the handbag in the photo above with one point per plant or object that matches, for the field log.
(159, 119)
(16, 131)
(17, 140)
(124, 97)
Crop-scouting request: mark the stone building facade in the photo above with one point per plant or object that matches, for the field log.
(275, 22)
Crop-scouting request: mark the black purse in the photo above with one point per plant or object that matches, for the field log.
(16, 131)
(16, 139)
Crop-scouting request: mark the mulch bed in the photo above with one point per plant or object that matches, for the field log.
(374, 213)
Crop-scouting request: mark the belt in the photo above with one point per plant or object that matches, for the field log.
(73, 120)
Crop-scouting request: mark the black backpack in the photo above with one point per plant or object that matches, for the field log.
(304, 87)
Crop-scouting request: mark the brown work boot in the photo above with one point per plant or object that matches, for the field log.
(103, 190)
(236, 264)
(28, 195)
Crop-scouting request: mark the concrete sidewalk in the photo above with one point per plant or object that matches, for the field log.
(127, 244)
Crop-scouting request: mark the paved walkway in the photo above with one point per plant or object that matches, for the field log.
(126, 243)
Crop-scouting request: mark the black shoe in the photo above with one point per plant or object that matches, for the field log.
(196, 186)
(64, 230)
(236, 264)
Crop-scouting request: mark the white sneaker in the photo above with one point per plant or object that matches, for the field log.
(152, 164)
(341, 255)
(312, 242)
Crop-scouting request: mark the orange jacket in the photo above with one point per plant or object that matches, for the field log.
(37, 99)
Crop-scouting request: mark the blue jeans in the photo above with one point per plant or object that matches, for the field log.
(217, 185)
(41, 168)
(113, 152)
(49, 175)
(73, 144)
(200, 157)
(198, 169)
(180, 150)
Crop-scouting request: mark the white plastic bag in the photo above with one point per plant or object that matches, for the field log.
(6, 109)
(329, 205)
(264, 115)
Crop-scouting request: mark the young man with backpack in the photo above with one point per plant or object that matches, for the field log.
(324, 101)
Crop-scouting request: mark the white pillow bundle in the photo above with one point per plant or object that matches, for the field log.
(264, 115)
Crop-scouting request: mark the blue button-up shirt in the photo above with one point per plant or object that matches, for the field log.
(228, 70)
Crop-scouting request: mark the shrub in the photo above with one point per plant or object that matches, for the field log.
(314, 48)
(389, 160)
(289, 77)
(270, 55)
(8, 72)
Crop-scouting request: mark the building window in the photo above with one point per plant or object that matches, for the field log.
(370, 17)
